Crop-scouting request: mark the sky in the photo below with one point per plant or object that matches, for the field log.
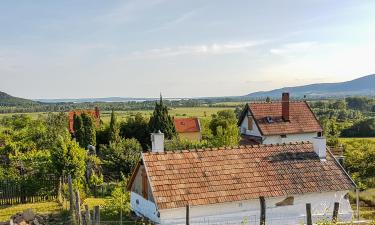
(139, 48)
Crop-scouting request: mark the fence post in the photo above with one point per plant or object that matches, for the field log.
(93, 218)
(308, 214)
(335, 212)
(97, 215)
(187, 215)
(87, 215)
(357, 202)
(78, 209)
(71, 197)
(262, 210)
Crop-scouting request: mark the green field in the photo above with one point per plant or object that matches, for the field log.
(201, 112)
(346, 140)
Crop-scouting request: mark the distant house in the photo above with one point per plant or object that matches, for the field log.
(278, 122)
(226, 185)
(188, 128)
(95, 113)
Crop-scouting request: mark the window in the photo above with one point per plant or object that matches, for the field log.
(319, 134)
(283, 136)
(249, 123)
(269, 119)
(144, 184)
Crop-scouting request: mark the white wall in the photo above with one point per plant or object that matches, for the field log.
(143, 207)
(276, 139)
(245, 130)
(236, 212)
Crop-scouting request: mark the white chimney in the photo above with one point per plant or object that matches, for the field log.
(157, 142)
(320, 147)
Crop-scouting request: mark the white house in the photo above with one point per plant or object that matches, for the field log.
(278, 122)
(225, 185)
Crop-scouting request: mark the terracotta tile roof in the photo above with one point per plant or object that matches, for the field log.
(199, 177)
(94, 113)
(186, 125)
(301, 118)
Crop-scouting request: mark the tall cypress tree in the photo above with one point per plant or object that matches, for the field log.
(78, 130)
(160, 120)
(114, 130)
(89, 130)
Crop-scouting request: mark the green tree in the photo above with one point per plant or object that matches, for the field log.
(359, 161)
(89, 130)
(364, 128)
(121, 157)
(68, 158)
(137, 127)
(114, 131)
(160, 120)
(224, 119)
(79, 131)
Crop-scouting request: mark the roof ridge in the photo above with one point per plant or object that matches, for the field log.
(227, 148)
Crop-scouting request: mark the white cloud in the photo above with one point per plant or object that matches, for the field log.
(205, 49)
(294, 48)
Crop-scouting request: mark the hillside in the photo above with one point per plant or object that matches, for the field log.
(363, 86)
(8, 100)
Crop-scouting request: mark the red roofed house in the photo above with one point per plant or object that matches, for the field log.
(95, 113)
(279, 122)
(228, 185)
(188, 128)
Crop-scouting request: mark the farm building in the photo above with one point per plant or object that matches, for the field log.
(95, 113)
(231, 185)
(278, 122)
(188, 128)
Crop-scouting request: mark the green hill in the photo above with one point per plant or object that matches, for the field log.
(8, 100)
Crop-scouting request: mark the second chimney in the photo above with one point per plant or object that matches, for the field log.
(157, 142)
(285, 106)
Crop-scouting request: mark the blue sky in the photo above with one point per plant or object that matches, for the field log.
(139, 48)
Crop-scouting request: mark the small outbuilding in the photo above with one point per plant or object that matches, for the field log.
(188, 128)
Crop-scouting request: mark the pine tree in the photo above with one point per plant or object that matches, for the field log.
(114, 130)
(89, 130)
(160, 120)
(78, 129)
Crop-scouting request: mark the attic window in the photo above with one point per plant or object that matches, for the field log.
(285, 202)
(249, 122)
(182, 123)
(269, 119)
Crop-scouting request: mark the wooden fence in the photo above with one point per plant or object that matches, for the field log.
(28, 191)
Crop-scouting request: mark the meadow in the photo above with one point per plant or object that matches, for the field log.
(200, 112)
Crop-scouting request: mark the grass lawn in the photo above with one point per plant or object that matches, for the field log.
(368, 198)
(40, 208)
(345, 140)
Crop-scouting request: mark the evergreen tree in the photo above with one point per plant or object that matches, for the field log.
(114, 130)
(89, 130)
(78, 129)
(160, 120)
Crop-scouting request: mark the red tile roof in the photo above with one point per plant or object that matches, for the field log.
(301, 118)
(199, 177)
(94, 113)
(186, 125)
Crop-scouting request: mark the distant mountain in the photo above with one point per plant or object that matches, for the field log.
(363, 86)
(8, 100)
